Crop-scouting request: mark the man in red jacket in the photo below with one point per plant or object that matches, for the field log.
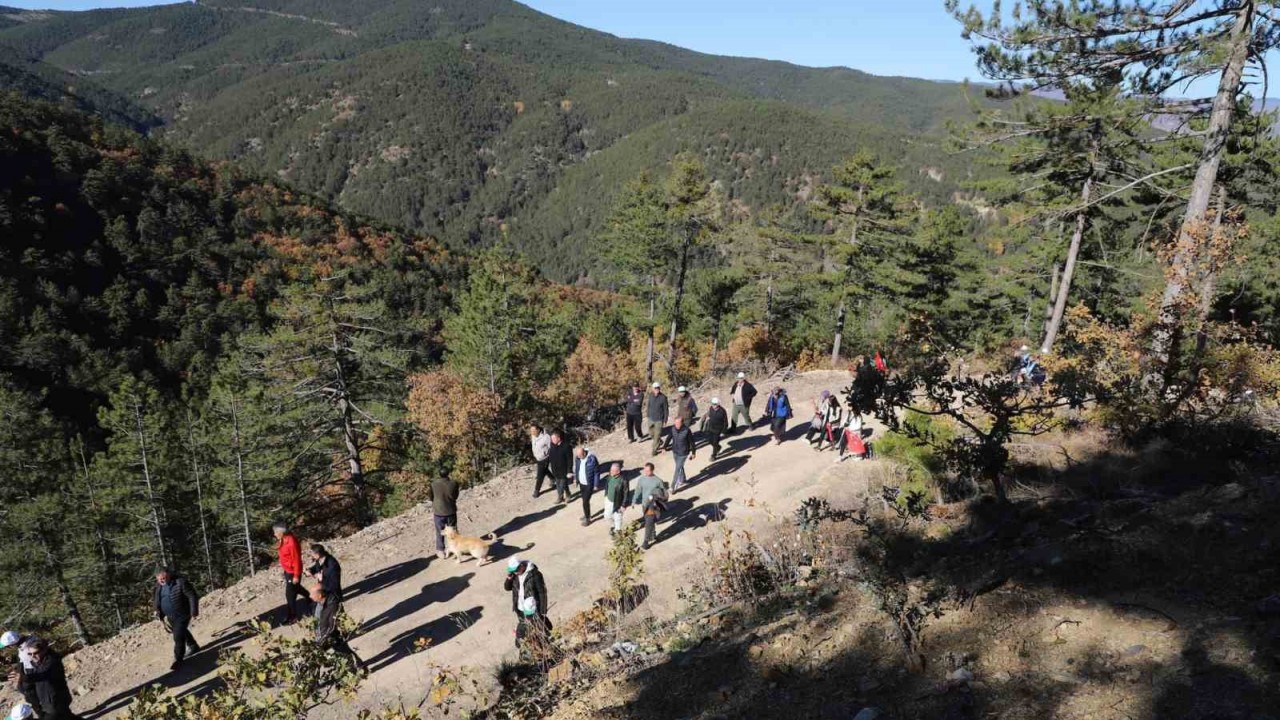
(290, 553)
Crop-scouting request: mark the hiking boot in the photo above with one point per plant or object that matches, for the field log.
(586, 522)
(175, 666)
(192, 649)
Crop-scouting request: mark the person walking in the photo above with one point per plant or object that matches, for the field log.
(528, 598)
(325, 570)
(651, 496)
(633, 408)
(686, 407)
(617, 493)
(45, 682)
(586, 472)
(656, 412)
(328, 634)
(742, 393)
(714, 425)
(289, 553)
(560, 462)
(682, 448)
(778, 410)
(176, 605)
(540, 444)
(443, 494)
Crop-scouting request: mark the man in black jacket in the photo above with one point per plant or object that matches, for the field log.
(45, 684)
(326, 570)
(561, 463)
(443, 494)
(714, 424)
(741, 395)
(633, 404)
(176, 605)
(683, 447)
(528, 598)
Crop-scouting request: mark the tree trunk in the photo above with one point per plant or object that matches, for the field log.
(1185, 252)
(768, 307)
(204, 525)
(715, 344)
(835, 345)
(346, 418)
(675, 307)
(238, 448)
(105, 552)
(53, 561)
(152, 501)
(1053, 297)
(1073, 252)
(653, 309)
(1208, 279)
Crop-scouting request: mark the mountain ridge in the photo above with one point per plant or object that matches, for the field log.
(458, 119)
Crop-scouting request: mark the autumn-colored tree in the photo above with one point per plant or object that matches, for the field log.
(461, 423)
(593, 378)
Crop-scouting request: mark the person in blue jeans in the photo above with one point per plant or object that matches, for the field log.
(682, 448)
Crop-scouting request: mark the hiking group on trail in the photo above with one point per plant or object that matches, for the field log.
(574, 472)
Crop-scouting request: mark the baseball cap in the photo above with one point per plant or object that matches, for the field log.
(513, 564)
(657, 385)
(9, 639)
(682, 389)
(21, 711)
(715, 401)
(742, 376)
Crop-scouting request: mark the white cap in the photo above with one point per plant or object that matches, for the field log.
(9, 639)
(21, 711)
(742, 376)
(512, 564)
(1025, 348)
(682, 389)
(657, 385)
(715, 401)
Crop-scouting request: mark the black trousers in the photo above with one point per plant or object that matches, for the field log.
(584, 491)
(440, 522)
(713, 439)
(635, 427)
(543, 473)
(291, 594)
(182, 639)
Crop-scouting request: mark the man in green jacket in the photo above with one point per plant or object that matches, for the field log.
(617, 493)
(651, 496)
(443, 494)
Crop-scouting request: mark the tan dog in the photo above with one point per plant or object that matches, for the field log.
(459, 545)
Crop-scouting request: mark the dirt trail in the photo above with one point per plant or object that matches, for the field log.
(401, 592)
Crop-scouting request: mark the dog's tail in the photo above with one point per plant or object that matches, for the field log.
(491, 536)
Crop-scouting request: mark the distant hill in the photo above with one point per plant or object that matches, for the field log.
(461, 118)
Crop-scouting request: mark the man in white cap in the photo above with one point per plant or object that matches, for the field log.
(742, 393)
(656, 412)
(686, 408)
(714, 426)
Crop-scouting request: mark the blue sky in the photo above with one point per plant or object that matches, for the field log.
(903, 37)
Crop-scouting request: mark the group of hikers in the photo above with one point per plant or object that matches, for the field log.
(38, 672)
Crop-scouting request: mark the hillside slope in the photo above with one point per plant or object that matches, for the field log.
(460, 118)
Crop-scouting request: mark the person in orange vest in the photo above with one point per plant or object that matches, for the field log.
(289, 551)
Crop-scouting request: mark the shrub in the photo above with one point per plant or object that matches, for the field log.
(593, 378)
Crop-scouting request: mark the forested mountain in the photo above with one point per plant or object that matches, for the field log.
(461, 118)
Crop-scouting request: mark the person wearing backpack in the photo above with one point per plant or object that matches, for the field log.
(176, 605)
(651, 496)
(778, 410)
(586, 473)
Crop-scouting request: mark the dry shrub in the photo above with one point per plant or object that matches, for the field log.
(593, 377)
(460, 421)
(811, 359)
